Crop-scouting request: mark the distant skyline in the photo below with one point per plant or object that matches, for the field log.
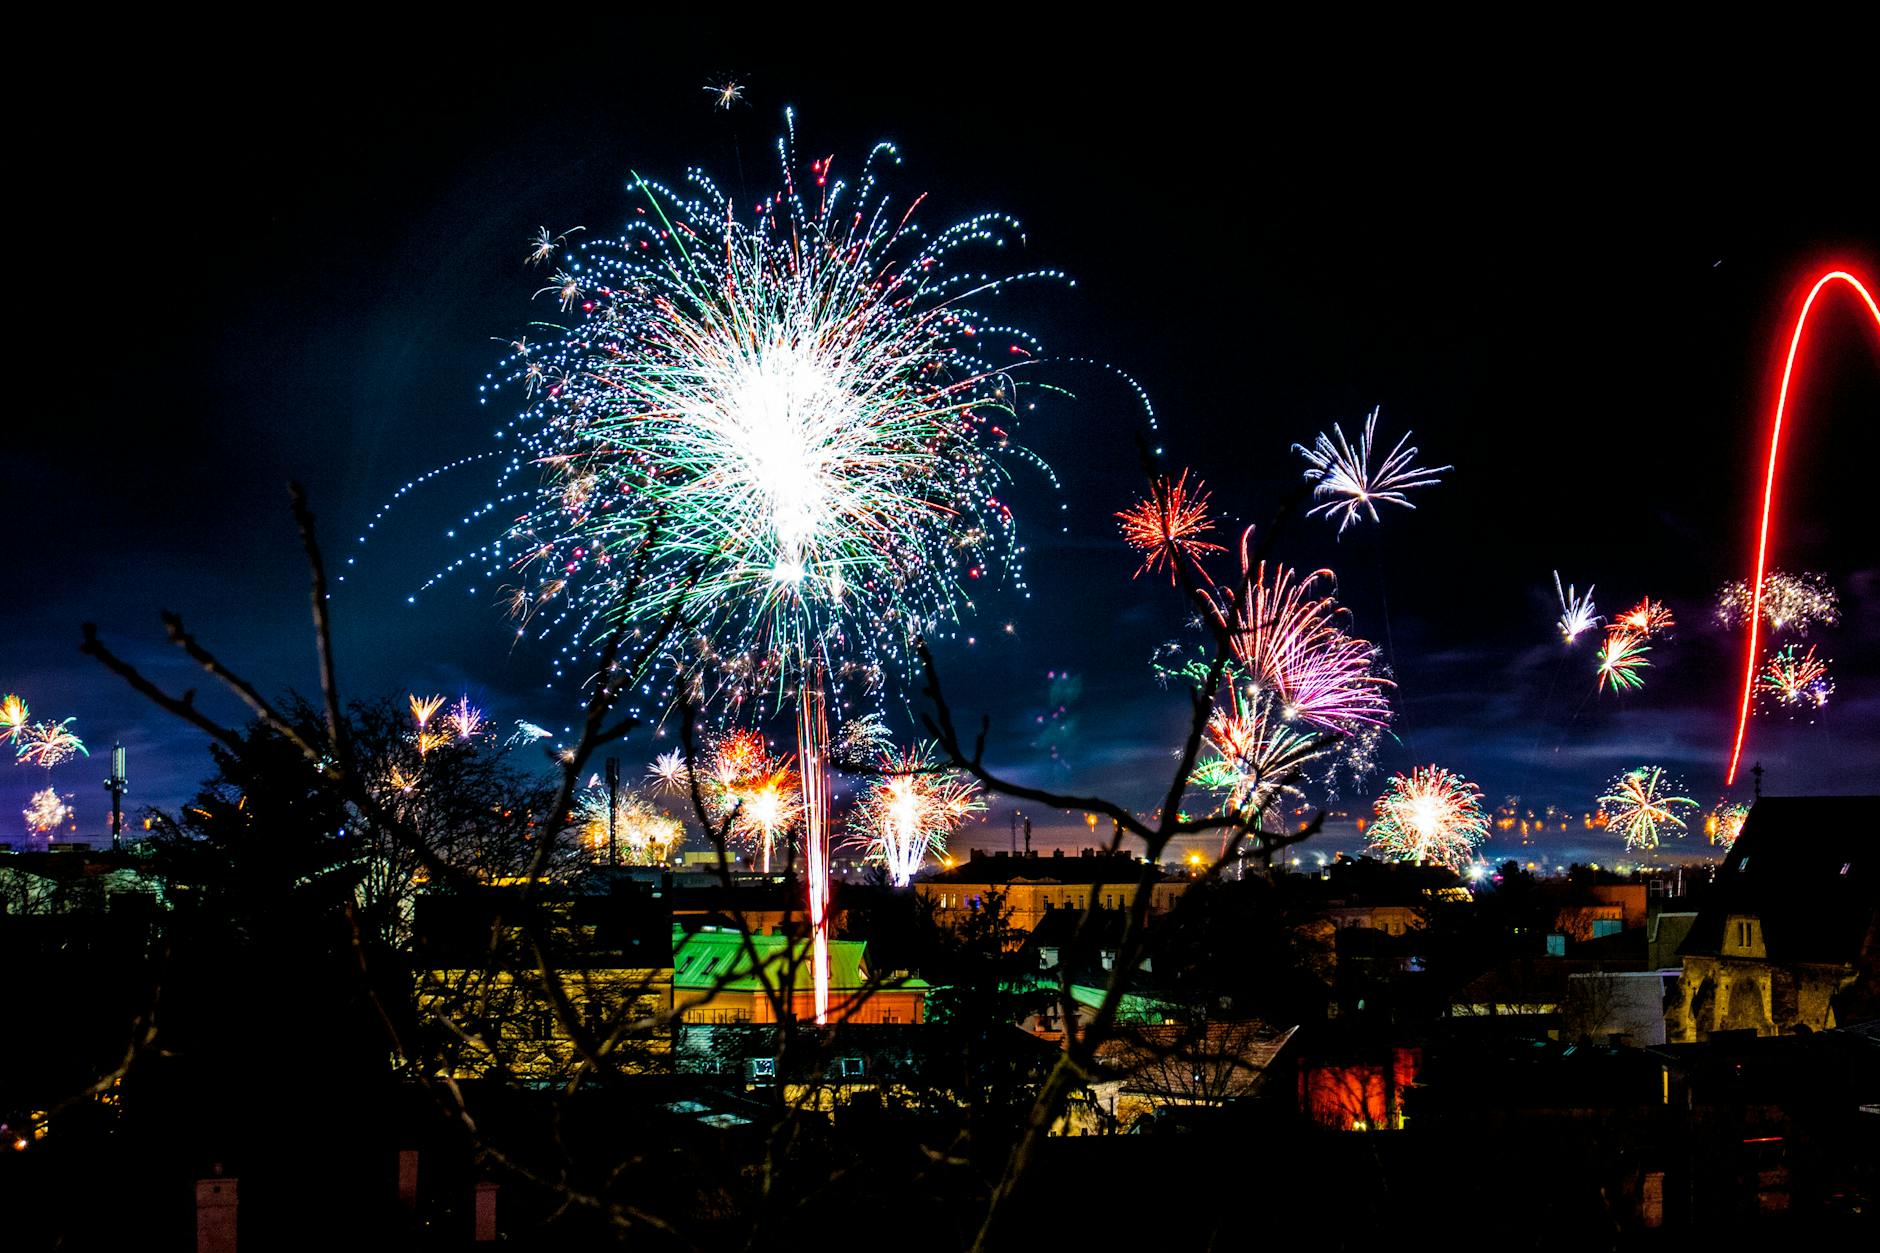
(275, 272)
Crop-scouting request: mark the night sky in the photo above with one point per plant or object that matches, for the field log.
(1575, 287)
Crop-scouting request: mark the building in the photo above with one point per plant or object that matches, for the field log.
(1597, 910)
(1150, 1068)
(731, 976)
(533, 988)
(1789, 935)
(1032, 887)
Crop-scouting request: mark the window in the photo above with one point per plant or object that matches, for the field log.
(1742, 934)
(851, 1067)
(763, 1069)
(889, 1016)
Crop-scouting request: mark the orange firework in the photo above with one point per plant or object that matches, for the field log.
(1169, 524)
(1648, 617)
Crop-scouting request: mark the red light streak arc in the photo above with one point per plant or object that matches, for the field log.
(1769, 488)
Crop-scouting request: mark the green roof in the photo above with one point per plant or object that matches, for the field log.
(709, 959)
(1132, 1008)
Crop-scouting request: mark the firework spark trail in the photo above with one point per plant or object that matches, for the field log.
(1724, 824)
(1647, 618)
(771, 428)
(1621, 658)
(669, 774)
(48, 744)
(740, 782)
(47, 811)
(15, 718)
(910, 808)
(1167, 528)
(423, 709)
(1252, 757)
(1577, 615)
(44, 744)
(1297, 687)
(1430, 815)
(1638, 804)
(1751, 655)
(465, 719)
(786, 420)
(1789, 602)
(648, 833)
(1344, 473)
(1795, 678)
(1289, 634)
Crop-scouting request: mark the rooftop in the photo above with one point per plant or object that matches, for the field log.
(1806, 868)
(1088, 866)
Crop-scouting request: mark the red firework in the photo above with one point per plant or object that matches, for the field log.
(1169, 524)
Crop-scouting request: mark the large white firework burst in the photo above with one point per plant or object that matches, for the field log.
(1430, 815)
(1576, 611)
(783, 427)
(1348, 484)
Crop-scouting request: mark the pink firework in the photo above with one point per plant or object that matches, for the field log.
(1291, 637)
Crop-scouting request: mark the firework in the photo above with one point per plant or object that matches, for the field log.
(1724, 824)
(1790, 602)
(743, 784)
(1621, 658)
(644, 835)
(47, 810)
(1430, 815)
(1638, 805)
(1647, 618)
(1290, 636)
(542, 247)
(1796, 678)
(725, 94)
(47, 744)
(774, 427)
(1251, 757)
(1168, 526)
(525, 733)
(1576, 612)
(785, 431)
(423, 709)
(465, 720)
(1751, 655)
(861, 739)
(1344, 474)
(14, 719)
(668, 773)
(910, 808)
